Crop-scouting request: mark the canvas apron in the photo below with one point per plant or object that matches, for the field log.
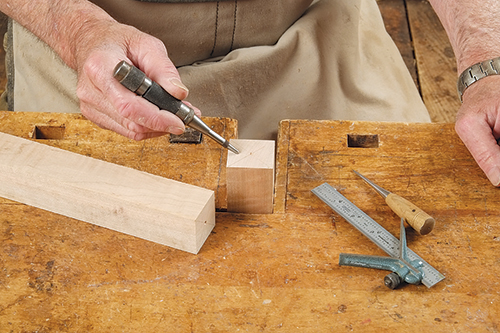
(257, 61)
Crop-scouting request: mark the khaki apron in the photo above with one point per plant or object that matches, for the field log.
(257, 61)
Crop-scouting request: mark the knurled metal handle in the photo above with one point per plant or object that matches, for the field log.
(476, 72)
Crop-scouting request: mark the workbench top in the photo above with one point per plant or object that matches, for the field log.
(274, 272)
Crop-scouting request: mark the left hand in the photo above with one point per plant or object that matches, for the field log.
(478, 125)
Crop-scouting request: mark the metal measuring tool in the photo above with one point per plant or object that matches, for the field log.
(136, 81)
(403, 269)
(374, 231)
(422, 222)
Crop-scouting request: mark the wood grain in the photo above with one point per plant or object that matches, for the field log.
(3, 73)
(426, 164)
(201, 165)
(105, 194)
(396, 23)
(422, 222)
(436, 62)
(274, 272)
(250, 177)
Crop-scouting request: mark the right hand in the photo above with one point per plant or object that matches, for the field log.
(97, 49)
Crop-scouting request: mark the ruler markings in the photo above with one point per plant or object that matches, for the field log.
(371, 229)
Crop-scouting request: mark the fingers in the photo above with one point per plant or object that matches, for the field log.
(196, 110)
(105, 122)
(138, 111)
(478, 136)
(106, 102)
(131, 115)
(119, 124)
(99, 92)
(478, 125)
(162, 71)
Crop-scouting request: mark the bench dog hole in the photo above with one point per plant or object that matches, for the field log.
(45, 132)
(362, 141)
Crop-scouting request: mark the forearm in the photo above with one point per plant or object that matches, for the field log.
(88, 40)
(59, 23)
(473, 27)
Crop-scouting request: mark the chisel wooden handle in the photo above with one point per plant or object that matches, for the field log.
(422, 222)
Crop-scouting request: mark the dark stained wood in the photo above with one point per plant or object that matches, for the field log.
(396, 23)
(3, 30)
(436, 62)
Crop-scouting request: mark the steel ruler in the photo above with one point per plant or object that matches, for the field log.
(371, 229)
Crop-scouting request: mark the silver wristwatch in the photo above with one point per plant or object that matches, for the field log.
(476, 72)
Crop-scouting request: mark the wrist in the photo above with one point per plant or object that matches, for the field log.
(78, 30)
(482, 93)
(477, 72)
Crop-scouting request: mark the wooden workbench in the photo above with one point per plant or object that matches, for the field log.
(256, 273)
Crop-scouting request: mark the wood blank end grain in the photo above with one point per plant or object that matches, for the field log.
(250, 177)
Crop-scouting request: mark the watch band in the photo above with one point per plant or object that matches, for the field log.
(476, 72)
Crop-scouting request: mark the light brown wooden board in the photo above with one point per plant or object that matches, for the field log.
(274, 272)
(123, 199)
(255, 273)
(201, 165)
(421, 165)
(427, 164)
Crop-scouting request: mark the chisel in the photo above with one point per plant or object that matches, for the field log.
(374, 231)
(136, 81)
(422, 222)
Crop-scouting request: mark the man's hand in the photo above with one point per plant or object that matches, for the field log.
(478, 125)
(90, 41)
(474, 29)
(106, 102)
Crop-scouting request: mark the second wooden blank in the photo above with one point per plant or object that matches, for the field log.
(250, 177)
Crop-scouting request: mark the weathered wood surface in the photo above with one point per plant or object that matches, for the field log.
(428, 165)
(196, 164)
(3, 73)
(437, 68)
(427, 52)
(274, 272)
(396, 23)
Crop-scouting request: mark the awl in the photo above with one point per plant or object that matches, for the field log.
(136, 81)
(422, 222)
